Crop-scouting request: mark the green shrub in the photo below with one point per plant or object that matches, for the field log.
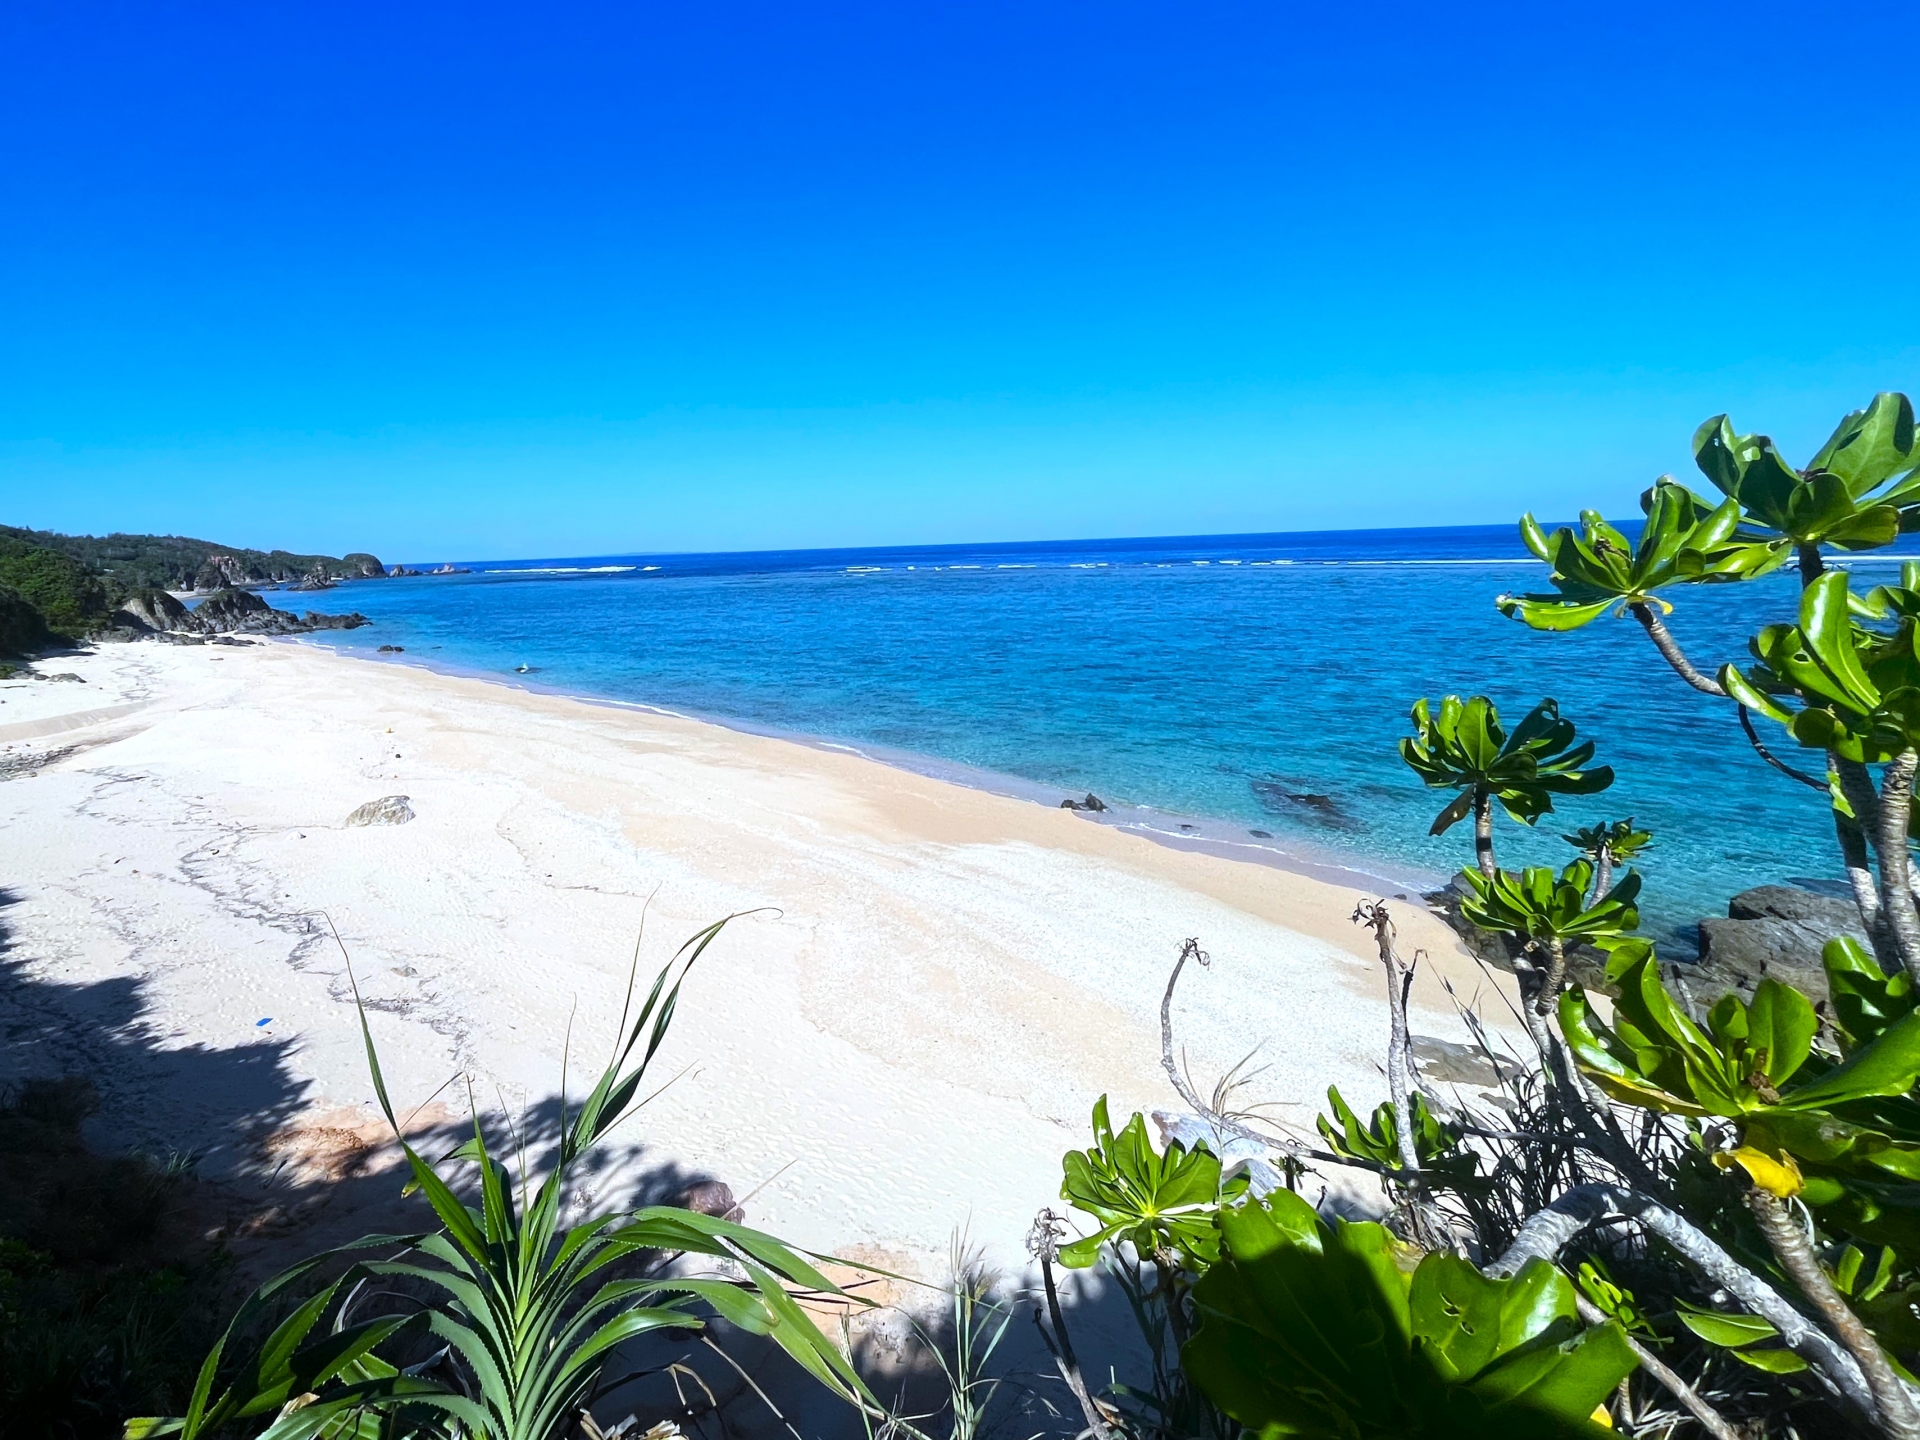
(72, 601)
(23, 629)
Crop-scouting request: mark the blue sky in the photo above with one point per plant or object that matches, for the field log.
(486, 281)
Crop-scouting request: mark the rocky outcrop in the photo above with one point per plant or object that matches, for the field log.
(1092, 802)
(241, 612)
(218, 571)
(154, 610)
(362, 566)
(154, 614)
(1773, 932)
(387, 810)
(316, 579)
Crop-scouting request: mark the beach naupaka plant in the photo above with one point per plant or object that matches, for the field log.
(1464, 747)
(1597, 570)
(1548, 912)
(1794, 1124)
(1859, 491)
(1841, 686)
(1606, 845)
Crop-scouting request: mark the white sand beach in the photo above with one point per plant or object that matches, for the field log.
(933, 986)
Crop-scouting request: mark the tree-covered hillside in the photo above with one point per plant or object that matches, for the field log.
(176, 562)
(65, 587)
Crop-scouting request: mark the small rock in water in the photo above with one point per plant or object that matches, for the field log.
(1261, 834)
(387, 810)
(393, 649)
(1092, 802)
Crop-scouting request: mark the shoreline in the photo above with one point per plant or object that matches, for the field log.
(1324, 863)
(903, 1037)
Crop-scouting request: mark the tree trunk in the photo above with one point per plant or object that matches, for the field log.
(1556, 976)
(1866, 896)
(1547, 1232)
(1650, 621)
(1790, 1245)
(1812, 567)
(1896, 868)
(1483, 833)
(1602, 874)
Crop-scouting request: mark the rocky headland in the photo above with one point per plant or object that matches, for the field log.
(157, 615)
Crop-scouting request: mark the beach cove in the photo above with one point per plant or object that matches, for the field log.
(926, 990)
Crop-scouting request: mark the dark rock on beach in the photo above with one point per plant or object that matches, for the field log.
(1092, 802)
(153, 610)
(711, 1197)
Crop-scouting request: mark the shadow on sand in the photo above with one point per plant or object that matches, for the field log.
(275, 1182)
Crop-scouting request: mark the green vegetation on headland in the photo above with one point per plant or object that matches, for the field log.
(57, 588)
(174, 562)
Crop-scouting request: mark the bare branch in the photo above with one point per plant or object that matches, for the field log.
(1711, 1420)
(1043, 1243)
(1795, 1253)
(1373, 914)
(1753, 739)
(1547, 1232)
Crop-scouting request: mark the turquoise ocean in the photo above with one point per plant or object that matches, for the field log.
(1206, 687)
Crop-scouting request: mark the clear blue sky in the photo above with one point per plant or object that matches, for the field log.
(483, 281)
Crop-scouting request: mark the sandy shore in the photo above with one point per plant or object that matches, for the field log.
(937, 985)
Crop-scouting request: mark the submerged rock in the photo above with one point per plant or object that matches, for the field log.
(387, 810)
(1313, 805)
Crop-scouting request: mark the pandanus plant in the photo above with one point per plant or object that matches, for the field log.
(1464, 748)
(523, 1316)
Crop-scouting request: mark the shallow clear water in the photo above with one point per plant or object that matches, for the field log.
(1220, 691)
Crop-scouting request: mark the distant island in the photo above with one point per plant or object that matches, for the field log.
(62, 588)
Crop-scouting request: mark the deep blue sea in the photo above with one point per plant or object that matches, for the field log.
(1228, 683)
